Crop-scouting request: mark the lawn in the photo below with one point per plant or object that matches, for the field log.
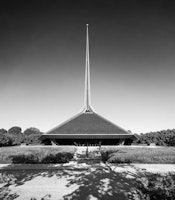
(62, 154)
(161, 155)
(36, 154)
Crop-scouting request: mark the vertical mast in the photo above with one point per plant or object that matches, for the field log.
(87, 75)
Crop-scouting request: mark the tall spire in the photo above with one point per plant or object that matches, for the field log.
(87, 76)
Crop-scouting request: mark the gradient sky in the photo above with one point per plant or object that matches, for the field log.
(132, 56)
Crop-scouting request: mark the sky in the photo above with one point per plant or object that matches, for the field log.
(132, 62)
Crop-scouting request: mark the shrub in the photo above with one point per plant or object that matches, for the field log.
(156, 187)
(22, 158)
(120, 160)
(58, 158)
(37, 158)
(17, 154)
(105, 156)
(114, 156)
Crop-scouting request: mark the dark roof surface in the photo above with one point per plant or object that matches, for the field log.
(87, 124)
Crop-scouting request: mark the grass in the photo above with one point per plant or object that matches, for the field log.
(162, 155)
(36, 154)
(48, 154)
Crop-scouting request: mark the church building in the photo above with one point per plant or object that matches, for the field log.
(88, 127)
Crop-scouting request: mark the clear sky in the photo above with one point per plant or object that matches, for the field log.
(132, 58)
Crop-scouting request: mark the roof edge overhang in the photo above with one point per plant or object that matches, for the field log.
(88, 136)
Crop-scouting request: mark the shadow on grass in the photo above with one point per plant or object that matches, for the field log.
(97, 181)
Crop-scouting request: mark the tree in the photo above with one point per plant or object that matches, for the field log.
(32, 135)
(15, 130)
(4, 140)
(160, 138)
(3, 131)
(31, 130)
(32, 139)
(16, 136)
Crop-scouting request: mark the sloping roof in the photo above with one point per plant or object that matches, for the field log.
(87, 125)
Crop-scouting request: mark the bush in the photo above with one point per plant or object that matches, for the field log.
(105, 156)
(120, 160)
(8, 154)
(28, 159)
(156, 187)
(57, 158)
(38, 158)
(108, 156)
